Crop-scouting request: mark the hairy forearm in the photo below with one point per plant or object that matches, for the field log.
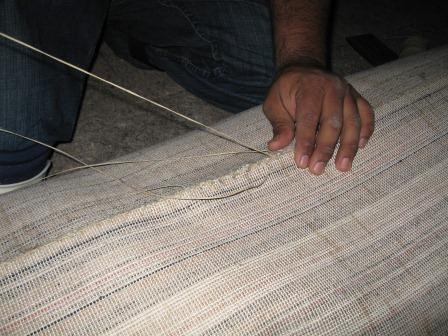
(316, 107)
(300, 28)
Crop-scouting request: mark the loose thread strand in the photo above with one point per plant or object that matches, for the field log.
(113, 163)
(110, 176)
(135, 190)
(119, 87)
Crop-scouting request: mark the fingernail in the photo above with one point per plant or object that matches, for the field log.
(303, 162)
(319, 168)
(362, 142)
(346, 164)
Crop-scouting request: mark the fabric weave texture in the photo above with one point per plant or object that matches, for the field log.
(359, 253)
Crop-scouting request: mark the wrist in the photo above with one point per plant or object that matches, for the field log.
(302, 62)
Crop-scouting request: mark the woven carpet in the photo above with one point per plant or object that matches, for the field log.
(277, 251)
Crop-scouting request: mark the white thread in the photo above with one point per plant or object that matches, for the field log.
(117, 179)
(112, 163)
(94, 167)
(210, 129)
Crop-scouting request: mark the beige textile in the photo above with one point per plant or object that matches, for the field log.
(360, 253)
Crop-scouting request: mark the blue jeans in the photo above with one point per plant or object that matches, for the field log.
(220, 51)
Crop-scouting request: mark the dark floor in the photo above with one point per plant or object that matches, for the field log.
(112, 124)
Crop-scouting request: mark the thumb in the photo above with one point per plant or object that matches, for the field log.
(283, 130)
(283, 125)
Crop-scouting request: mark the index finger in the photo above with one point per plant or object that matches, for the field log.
(308, 111)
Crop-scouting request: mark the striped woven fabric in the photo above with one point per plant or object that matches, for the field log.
(276, 251)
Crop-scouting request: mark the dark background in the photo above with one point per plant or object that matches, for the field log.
(112, 124)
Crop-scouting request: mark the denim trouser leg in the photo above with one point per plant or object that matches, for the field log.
(221, 51)
(38, 97)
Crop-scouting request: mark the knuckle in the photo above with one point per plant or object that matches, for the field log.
(335, 122)
(326, 149)
(350, 147)
(309, 118)
(354, 120)
(306, 145)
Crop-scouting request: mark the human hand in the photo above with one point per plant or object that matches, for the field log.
(319, 109)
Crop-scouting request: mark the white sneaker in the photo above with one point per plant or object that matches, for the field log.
(5, 188)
